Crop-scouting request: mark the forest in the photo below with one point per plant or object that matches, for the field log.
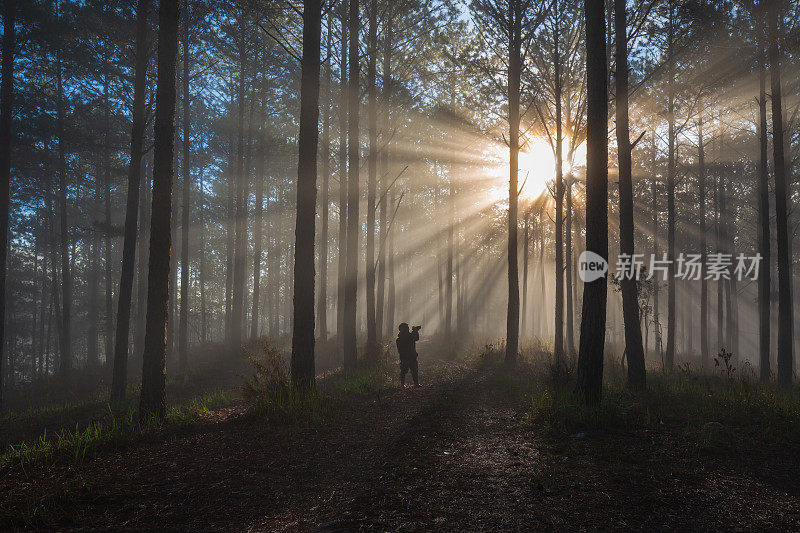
(229, 228)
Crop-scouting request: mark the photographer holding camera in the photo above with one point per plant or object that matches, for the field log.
(406, 347)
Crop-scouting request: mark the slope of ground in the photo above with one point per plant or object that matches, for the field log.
(455, 454)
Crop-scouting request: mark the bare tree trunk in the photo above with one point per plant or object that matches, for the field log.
(65, 366)
(342, 240)
(630, 298)
(92, 282)
(765, 271)
(303, 324)
(390, 270)
(514, 73)
(183, 321)
(558, 348)
(152, 402)
(106, 165)
(351, 268)
(372, 169)
(6, 109)
(785, 320)
(670, 355)
(258, 230)
(525, 247)
(143, 261)
(240, 244)
(202, 272)
(701, 178)
(657, 344)
(322, 302)
(570, 334)
(384, 176)
(593, 317)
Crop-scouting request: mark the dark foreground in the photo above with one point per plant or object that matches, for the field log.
(457, 454)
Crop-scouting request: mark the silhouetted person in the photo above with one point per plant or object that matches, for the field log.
(406, 347)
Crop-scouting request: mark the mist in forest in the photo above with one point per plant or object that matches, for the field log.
(452, 145)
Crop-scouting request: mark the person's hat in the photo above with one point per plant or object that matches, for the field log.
(402, 326)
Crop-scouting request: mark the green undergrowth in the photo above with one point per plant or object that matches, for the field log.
(713, 409)
(271, 396)
(73, 445)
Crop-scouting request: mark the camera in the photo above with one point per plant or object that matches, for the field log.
(416, 328)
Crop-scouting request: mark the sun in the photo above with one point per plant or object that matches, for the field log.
(537, 168)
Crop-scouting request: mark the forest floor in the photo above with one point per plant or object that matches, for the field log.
(460, 453)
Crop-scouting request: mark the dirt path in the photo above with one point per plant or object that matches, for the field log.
(453, 455)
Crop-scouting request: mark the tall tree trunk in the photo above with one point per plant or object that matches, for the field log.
(240, 243)
(342, 239)
(765, 271)
(351, 267)
(525, 247)
(143, 261)
(152, 401)
(630, 298)
(785, 320)
(202, 270)
(593, 317)
(230, 242)
(384, 175)
(322, 302)
(183, 321)
(391, 295)
(570, 333)
(384, 178)
(92, 282)
(372, 170)
(657, 344)
(303, 324)
(6, 109)
(701, 178)
(258, 230)
(106, 165)
(514, 73)
(65, 366)
(558, 347)
(106, 189)
(670, 355)
(718, 243)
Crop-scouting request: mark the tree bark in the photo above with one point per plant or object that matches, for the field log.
(670, 355)
(183, 321)
(525, 249)
(657, 343)
(785, 319)
(570, 312)
(240, 206)
(765, 271)
(303, 325)
(372, 172)
(514, 74)
(701, 179)
(384, 176)
(258, 230)
(629, 283)
(558, 346)
(6, 109)
(351, 267)
(65, 364)
(152, 402)
(342, 240)
(322, 302)
(593, 317)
